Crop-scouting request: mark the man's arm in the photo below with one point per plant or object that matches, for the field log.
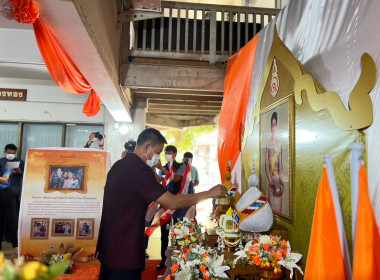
(183, 201)
(196, 177)
(4, 179)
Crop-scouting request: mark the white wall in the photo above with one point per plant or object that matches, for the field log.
(46, 102)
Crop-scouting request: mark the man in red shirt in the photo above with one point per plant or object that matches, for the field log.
(131, 186)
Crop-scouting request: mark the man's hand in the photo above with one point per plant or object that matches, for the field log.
(218, 191)
(158, 165)
(18, 170)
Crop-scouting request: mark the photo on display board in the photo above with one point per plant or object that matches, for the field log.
(276, 157)
(85, 228)
(62, 227)
(66, 178)
(39, 228)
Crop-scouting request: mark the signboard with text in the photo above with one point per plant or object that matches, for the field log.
(12, 94)
(62, 201)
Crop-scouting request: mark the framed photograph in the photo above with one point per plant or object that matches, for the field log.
(277, 156)
(62, 227)
(85, 228)
(39, 228)
(66, 178)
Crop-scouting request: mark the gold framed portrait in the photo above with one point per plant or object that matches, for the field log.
(85, 228)
(277, 156)
(62, 227)
(39, 228)
(66, 178)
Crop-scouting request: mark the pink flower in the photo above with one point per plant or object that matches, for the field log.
(254, 249)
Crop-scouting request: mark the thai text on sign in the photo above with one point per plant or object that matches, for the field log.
(13, 94)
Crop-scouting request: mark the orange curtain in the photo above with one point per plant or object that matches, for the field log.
(62, 68)
(367, 239)
(234, 107)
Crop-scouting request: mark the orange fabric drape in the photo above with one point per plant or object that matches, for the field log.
(325, 258)
(62, 68)
(234, 107)
(367, 239)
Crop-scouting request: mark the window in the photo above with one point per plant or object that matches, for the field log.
(77, 134)
(9, 134)
(40, 136)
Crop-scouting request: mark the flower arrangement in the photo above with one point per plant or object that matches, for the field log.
(198, 263)
(269, 252)
(186, 232)
(19, 270)
(53, 257)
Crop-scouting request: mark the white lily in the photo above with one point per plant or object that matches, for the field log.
(216, 268)
(185, 273)
(240, 254)
(290, 261)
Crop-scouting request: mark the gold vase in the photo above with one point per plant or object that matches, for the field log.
(268, 273)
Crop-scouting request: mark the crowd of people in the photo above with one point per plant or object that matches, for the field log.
(133, 183)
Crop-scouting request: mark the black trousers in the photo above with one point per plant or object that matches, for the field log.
(119, 274)
(164, 241)
(8, 215)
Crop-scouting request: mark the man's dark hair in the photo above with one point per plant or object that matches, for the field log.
(188, 154)
(151, 135)
(10, 147)
(274, 117)
(171, 148)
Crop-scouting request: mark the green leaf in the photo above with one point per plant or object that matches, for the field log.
(55, 270)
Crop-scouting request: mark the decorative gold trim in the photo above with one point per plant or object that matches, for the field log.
(53, 233)
(360, 113)
(287, 99)
(47, 188)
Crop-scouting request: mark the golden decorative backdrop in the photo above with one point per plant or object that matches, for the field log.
(322, 126)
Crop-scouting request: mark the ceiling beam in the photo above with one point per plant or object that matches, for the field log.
(182, 113)
(178, 91)
(187, 103)
(137, 75)
(181, 108)
(154, 120)
(185, 98)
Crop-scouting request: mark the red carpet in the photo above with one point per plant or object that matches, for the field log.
(151, 272)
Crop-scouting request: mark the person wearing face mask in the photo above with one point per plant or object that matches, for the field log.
(188, 157)
(10, 192)
(174, 186)
(130, 187)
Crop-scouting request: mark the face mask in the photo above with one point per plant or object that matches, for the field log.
(155, 159)
(10, 156)
(169, 158)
